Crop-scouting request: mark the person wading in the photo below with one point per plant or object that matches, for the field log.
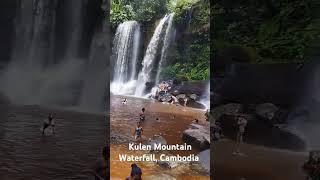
(142, 116)
(138, 132)
(48, 122)
(241, 126)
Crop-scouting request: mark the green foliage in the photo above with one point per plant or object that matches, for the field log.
(180, 8)
(192, 56)
(277, 30)
(139, 10)
(149, 10)
(186, 71)
(120, 12)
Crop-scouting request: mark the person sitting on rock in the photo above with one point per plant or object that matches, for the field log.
(142, 115)
(136, 173)
(48, 122)
(241, 123)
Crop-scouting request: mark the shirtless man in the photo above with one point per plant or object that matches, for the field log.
(241, 124)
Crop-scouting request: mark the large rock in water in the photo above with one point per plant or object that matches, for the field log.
(204, 160)
(266, 110)
(231, 108)
(198, 136)
(191, 87)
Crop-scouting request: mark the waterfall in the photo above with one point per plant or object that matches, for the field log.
(47, 65)
(166, 44)
(32, 51)
(125, 54)
(74, 27)
(96, 81)
(149, 59)
(205, 99)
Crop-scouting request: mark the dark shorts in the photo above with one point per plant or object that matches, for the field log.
(45, 125)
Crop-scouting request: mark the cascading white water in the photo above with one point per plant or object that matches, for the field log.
(205, 99)
(125, 54)
(149, 59)
(166, 44)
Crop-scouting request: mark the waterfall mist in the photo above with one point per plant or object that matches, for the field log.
(47, 65)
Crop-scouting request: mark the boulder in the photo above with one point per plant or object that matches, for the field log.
(204, 160)
(181, 96)
(266, 110)
(165, 97)
(198, 136)
(195, 104)
(194, 97)
(231, 108)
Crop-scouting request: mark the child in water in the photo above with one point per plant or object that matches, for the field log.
(138, 131)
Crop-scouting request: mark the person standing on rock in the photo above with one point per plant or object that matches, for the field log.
(241, 124)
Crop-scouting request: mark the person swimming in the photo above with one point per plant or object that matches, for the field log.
(124, 101)
(48, 122)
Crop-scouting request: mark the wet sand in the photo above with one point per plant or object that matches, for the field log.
(173, 121)
(69, 154)
(258, 163)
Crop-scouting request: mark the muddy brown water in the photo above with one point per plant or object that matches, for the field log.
(173, 121)
(69, 154)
